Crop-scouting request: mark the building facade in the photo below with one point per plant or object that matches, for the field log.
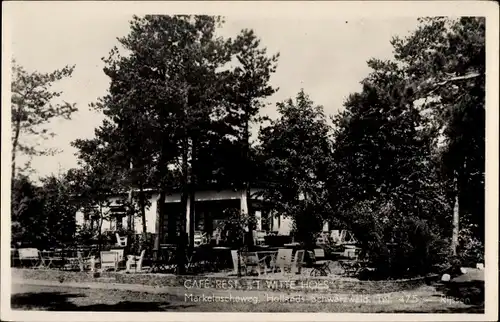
(210, 208)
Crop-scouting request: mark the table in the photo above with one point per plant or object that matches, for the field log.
(48, 257)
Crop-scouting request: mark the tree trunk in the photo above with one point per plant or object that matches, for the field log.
(192, 196)
(455, 226)
(99, 236)
(15, 143)
(250, 214)
(142, 201)
(456, 217)
(181, 235)
(159, 220)
(130, 218)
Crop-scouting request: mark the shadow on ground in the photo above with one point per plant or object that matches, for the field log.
(470, 293)
(478, 309)
(57, 301)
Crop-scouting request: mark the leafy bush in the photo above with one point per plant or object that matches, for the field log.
(395, 245)
(43, 216)
(307, 223)
(233, 230)
(86, 236)
(141, 242)
(470, 250)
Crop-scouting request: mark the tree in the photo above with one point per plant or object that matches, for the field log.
(445, 61)
(95, 180)
(160, 96)
(400, 132)
(42, 216)
(383, 182)
(59, 210)
(32, 107)
(243, 90)
(26, 210)
(170, 101)
(296, 151)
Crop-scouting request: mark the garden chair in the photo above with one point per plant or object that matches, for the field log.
(135, 261)
(199, 238)
(85, 262)
(109, 259)
(252, 260)
(121, 241)
(351, 251)
(120, 253)
(335, 236)
(260, 237)
(346, 237)
(30, 255)
(283, 259)
(320, 266)
(297, 262)
(351, 268)
(234, 257)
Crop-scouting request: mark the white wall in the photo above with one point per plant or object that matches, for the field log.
(150, 217)
(285, 226)
(79, 218)
(282, 225)
(213, 195)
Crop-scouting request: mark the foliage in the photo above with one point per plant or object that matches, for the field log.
(179, 104)
(386, 177)
(33, 107)
(471, 249)
(296, 153)
(42, 216)
(235, 227)
(445, 61)
(401, 246)
(92, 186)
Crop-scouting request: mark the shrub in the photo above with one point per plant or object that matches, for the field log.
(233, 229)
(307, 223)
(397, 245)
(471, 249)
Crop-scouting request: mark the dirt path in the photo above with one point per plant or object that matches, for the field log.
(54, 296)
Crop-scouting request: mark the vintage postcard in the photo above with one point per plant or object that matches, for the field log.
(249, 161)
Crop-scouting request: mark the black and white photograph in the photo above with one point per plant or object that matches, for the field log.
(171, 159)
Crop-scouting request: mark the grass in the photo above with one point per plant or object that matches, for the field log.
(425, 299)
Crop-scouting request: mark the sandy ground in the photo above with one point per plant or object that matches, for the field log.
(54, 296)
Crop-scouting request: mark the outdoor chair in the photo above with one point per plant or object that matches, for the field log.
(351, 268)
(346, 237)
(199, 238)
(320, 266)
(51, 258)
(283, 259)
(121, 241)
(135, 261)
(109, 259)
(30, 255)
(14, 256)
(260, 237)
(216, 236)
(252, 260)
(234, 257)
(297, 262)
(351, 251)
(120, 253)
(335, 237)
(86, 262)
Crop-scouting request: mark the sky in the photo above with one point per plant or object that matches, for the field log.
(326, 56)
